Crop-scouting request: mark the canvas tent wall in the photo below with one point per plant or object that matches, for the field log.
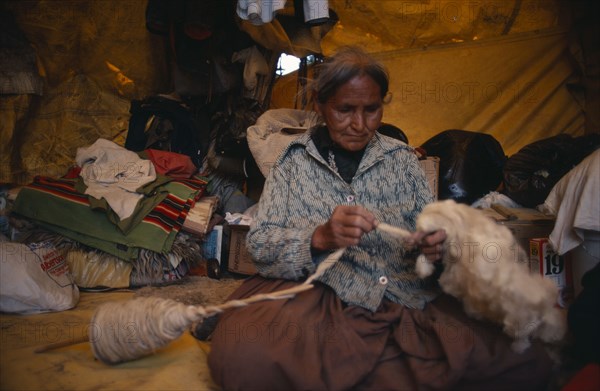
(520, 70)
(514, 88)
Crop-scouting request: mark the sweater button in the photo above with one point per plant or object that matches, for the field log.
(350, 198)
(383, 280)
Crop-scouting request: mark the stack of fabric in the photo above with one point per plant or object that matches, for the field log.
(114, 206)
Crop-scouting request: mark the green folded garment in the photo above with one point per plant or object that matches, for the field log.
(58, 206)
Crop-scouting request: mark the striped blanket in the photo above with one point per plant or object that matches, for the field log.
(55, 204)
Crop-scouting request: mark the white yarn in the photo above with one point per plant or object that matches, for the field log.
(396, 232)
(326, 264)
(124, 331)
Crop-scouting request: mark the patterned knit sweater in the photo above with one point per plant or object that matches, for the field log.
(301, 192)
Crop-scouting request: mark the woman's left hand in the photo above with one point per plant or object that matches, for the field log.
(430, 243)
(345, 227)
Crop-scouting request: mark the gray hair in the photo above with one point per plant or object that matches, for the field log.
(347, 63)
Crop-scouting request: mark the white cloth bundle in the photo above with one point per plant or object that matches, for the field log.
(114, 173)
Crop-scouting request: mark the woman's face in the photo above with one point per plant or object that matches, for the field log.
(353, 113)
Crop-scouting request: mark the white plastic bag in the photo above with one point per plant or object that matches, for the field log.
(35, 278)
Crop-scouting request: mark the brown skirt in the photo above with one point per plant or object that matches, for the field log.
(316, 342)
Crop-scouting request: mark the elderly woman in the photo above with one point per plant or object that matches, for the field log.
(370, 322)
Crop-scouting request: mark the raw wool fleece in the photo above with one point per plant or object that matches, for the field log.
(193, 290)
(487, 270)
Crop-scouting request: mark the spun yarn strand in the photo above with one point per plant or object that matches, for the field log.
(396, 232)
(125, 331)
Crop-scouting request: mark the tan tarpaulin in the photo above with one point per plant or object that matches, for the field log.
(94, 56)
(386, 25)
(514, 88)
(496, 66)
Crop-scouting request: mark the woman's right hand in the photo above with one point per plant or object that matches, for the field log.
(345, 227)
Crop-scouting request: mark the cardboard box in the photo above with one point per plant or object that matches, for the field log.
(524, 223)
(239, 260)
(431, 166)
(524, 231)
(545, 261)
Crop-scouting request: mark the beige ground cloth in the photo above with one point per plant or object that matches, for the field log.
(179, 366)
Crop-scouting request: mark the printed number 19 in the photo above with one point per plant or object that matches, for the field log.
(554, 264)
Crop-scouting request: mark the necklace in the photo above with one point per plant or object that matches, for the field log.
(331, 161)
